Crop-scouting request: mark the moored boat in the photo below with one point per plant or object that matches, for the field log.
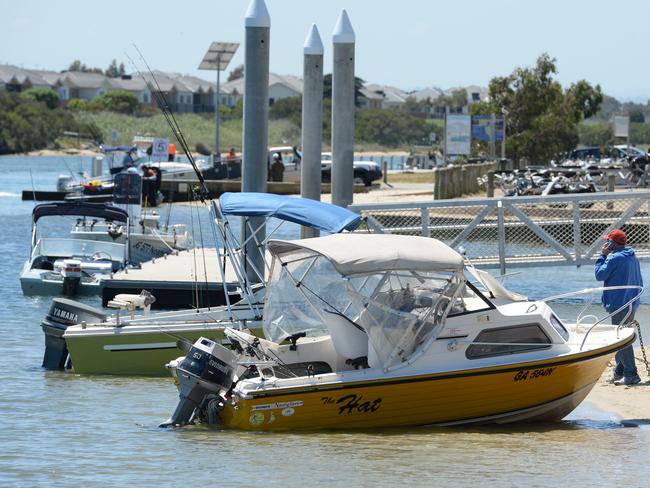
(141, 345)
(63, 265)
(384, 330)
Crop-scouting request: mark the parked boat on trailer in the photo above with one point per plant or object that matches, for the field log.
(368, 331)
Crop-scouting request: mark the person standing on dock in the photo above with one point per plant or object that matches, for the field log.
(617, 265)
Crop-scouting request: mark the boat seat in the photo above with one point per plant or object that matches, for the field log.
(43, 262)
(349, 339)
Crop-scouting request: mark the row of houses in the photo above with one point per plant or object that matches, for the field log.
(192, 94)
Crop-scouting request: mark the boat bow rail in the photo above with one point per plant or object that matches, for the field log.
(583, 316)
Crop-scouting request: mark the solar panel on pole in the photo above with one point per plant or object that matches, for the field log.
(217, 59)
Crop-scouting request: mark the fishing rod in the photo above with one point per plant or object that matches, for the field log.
(161, 101)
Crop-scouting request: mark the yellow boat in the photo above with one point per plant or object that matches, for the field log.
(367, 331)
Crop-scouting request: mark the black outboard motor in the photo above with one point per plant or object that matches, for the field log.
(62, 314)
(207, 369)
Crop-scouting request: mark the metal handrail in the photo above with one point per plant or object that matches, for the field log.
(591, 292)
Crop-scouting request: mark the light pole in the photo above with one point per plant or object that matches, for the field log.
(217, 59)
(504, 112)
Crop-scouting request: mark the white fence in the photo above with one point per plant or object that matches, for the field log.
(521, 231)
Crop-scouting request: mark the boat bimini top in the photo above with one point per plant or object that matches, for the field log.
(311, 213)
(364, 253)
(80, 209)
(397, 289)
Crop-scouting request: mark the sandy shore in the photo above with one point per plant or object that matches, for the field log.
(626, 402)
(64, 152)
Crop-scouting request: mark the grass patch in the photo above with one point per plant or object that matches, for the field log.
(419, 177)
(197, 128)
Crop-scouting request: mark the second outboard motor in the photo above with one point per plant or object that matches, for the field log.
(62, 314)
(64, 182)
(71, 272)
(207, 369)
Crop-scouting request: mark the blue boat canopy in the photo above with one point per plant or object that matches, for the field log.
(81, 209)
(303, 211)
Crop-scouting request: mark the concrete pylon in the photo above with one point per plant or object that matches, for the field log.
(343, 112)
(256, 121)
(312, 121)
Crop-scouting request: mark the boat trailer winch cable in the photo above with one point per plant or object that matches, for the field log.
(161, 101)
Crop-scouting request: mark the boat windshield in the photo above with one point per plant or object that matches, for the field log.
(401, 311)
(301, 286)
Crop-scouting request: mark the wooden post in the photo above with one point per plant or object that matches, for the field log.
(490, 184)
(385, 171)
(464, 182)
(444, 183)
(436, 183)
(456, 189)
(611, 183)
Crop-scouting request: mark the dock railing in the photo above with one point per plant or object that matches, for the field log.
(521, 231)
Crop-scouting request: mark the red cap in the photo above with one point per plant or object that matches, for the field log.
(618, 236)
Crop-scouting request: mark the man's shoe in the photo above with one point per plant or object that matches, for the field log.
(631, 380)
(615, 378)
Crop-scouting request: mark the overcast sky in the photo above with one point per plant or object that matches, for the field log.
(407, 43)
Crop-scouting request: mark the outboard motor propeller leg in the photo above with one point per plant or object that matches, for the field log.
(207, 370)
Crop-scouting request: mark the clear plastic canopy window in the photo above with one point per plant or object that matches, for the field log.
(399, 310)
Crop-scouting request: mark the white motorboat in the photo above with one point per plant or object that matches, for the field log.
(72, 265)
(148, 238)
(126, 343)
(375, 331)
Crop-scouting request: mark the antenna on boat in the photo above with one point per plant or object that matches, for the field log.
(463, 252)
(161, 101)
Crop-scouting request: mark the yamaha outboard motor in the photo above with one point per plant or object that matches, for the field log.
(207, 370)
(62, 314)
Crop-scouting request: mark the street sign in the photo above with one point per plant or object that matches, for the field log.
(459, 134)
(482, 127)
(160, 149)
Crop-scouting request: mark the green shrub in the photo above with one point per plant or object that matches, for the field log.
(120, 101)
(27, 124)
(44, 95)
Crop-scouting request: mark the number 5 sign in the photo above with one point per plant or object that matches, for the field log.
(160, 149)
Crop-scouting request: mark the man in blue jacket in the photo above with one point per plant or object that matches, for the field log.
(619, 266)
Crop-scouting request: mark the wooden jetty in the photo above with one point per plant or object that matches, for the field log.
(185, 279)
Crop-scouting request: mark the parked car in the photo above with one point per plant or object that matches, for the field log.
(365, 172)
(584, 153)
(619, 151)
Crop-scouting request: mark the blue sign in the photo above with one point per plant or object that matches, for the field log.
(482, 128)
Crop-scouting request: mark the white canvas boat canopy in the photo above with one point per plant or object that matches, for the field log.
(371, 253)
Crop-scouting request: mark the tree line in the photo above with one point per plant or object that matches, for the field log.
(33, 120)
(544, 119)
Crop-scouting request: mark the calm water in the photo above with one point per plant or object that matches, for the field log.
(58, 429)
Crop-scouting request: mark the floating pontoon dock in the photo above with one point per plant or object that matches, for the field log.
(185, 279)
